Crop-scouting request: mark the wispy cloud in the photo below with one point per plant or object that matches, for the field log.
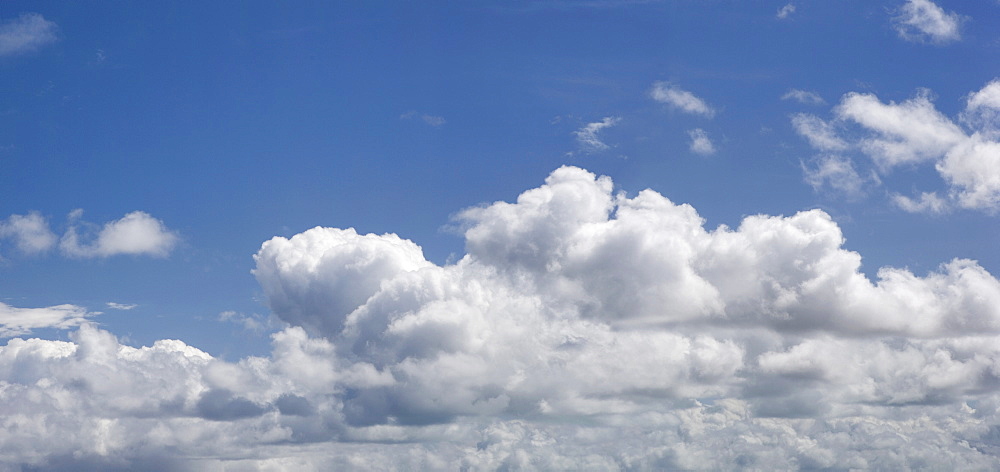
(121, 306)
(31, 233)
(19, 321)
(785, 11)
(432, 120)
(26, 33)
(700, 144)
(923, 20)
(665, 92)
(803, 96)
(587, 136)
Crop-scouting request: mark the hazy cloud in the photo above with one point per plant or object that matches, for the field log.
(700, 144)
(803, 96)
(587, 136)
(31, 233)
(432, 120)
(785, 11)
(26, 33)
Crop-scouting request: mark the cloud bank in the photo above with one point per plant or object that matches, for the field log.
(583, 329)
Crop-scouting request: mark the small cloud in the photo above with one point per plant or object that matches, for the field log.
(700, 144)
(923, 20)
(587, 137)
(803, 97)
(121, 306)
(254, 322)
(19, 321)
(820, 134)
(835, 172)
(665, 92)
(929, 202)
(785, 11)
(136, 233)
(432, 120)
(31, 233)
(27, 33)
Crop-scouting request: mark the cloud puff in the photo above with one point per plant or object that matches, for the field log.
(136, 233)
(836, 172)
(587, 137)
(665, 92)
(583, 329)
(803, 96)
(923, 20)
(18, 321)
(26, 33)
(700, 144)
(31, 233)
(785, 11)
(914, 132)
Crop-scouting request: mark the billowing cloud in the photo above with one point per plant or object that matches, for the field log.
(18, 321)
(914, 132)
(803, 96)
(700, 143)
(136, 233)
(665, 92)
(31, 233)
(923, 20)
(26, 33)
(584, 329)
(587, 136)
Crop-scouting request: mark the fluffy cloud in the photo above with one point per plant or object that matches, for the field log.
(700, 144)
(17, 321)
(587, 137)
(665, 92)
(136, 233)
(914, 132)
(26, 33)
(31, 233)
(923, 20)
(583, 329)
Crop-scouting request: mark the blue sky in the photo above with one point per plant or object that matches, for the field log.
(148, 150)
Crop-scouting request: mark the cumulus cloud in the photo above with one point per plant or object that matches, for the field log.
(700, 144)
(136, 233)
(584, 329)
(803, 96)
(26, 33)
(31, 233)
(665, 92)
(587, 136)
(914, 132)
(18, 321)
(923, 20)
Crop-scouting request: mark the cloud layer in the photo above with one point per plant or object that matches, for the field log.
(583, 329)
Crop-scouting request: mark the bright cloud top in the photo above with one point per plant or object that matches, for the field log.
(26, 33)
(665, 92)
(136, 233)
(923, 20)
(576, 310)
(914, 132)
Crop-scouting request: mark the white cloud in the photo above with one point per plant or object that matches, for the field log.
(836, 172)
(665, 92)
(26, 33)
(700, 144)
(785, 11)
(584, 329)
(18, 321)
(587, 137)
(923, 20)
(929, 202)
(820, 134)
(121, 306)
(30, 233)
(136, 233)
(432, 120)
(803, 96)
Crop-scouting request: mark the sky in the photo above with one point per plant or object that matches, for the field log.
(484, 235)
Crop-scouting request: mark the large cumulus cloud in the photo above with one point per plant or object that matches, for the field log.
(584, 329)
